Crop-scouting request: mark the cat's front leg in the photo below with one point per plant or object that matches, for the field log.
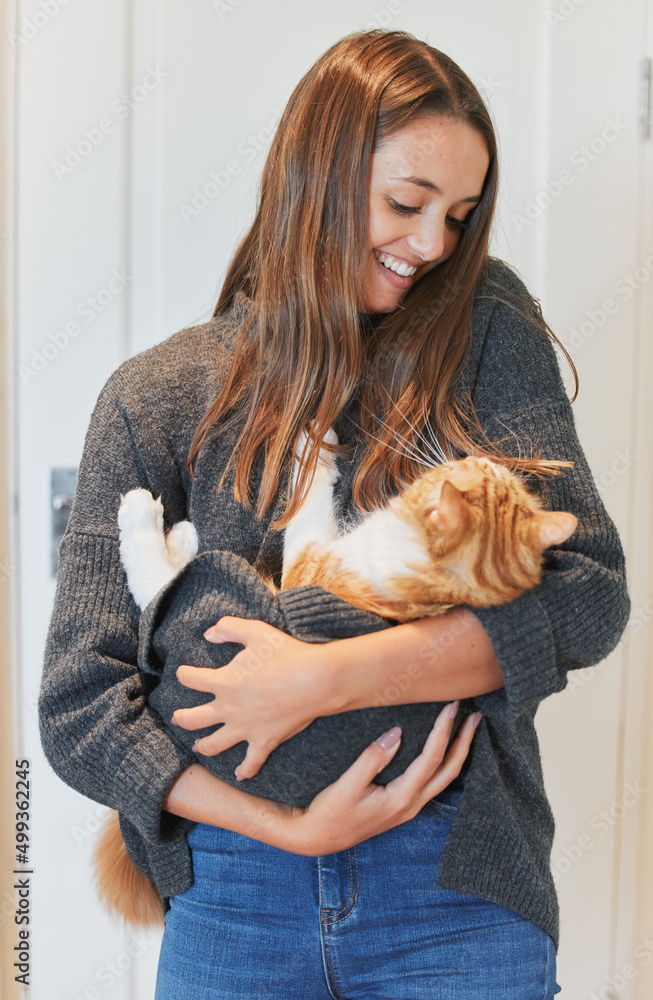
(143, 550)
(181, 543)
(315, 520)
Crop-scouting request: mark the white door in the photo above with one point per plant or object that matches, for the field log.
(141, 131)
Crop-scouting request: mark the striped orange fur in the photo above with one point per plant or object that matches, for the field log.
(483, 536)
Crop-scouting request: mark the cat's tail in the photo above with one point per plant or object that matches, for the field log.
(122, 887)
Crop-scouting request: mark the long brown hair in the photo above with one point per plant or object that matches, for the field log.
(301, 354)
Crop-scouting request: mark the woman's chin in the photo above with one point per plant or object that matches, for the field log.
(381, 303)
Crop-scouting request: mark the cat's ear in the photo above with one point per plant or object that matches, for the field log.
(552, 527)
(464, 478)
(451, 511)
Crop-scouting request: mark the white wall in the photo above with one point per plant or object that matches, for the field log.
(218, 79)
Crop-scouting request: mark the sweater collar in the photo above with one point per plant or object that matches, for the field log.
(240, 303)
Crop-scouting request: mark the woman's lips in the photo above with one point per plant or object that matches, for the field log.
(396, 280)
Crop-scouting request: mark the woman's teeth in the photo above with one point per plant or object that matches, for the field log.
(393, 264)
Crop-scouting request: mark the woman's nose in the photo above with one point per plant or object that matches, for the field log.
(428, 238)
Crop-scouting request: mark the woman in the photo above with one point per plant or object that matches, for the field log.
(362, 298)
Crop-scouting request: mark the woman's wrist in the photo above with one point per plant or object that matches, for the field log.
(198, 795)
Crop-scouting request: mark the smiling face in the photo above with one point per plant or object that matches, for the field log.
(422, 184)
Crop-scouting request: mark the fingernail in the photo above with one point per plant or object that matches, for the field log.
(173, 721)
(453, 708)
(213, 635)
(195, 748)
(389, 739)
(477, 719)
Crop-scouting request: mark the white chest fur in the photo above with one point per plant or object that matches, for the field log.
(382, 546)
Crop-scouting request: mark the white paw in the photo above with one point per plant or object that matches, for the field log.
(326, 471)
(299, 444)
(326, 458)
(182, 543)
(139, 509)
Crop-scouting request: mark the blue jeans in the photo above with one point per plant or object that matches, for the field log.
(368, 923)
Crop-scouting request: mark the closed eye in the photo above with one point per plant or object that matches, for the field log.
(413, 209)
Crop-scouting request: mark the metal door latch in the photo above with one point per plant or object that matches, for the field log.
(62, 491)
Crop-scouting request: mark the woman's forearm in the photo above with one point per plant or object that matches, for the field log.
(430, 659)
(267, 698)
(203, 797)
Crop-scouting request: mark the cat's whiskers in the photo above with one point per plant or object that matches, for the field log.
(512, 434)
(419, 437)
(386, 444)
(433, 437)
(431, 458)
(437, 447)
(409, 449)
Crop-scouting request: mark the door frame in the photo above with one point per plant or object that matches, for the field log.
(9, 988)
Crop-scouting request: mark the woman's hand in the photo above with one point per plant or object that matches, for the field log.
(352, 809)
(269, 691)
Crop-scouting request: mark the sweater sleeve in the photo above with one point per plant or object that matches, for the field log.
(575, 617)
(96, 728)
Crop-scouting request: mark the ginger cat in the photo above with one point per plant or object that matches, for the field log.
(467, 531)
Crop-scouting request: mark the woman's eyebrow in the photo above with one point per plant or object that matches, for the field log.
(432, 187)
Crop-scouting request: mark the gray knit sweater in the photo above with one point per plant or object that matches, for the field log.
(104, 722)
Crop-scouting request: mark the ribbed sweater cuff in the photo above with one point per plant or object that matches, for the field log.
(313, 614)
(97, 731)
(144, 778)
(522, 639)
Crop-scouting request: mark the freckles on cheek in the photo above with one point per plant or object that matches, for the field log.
(374, 235)
(383, 226)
